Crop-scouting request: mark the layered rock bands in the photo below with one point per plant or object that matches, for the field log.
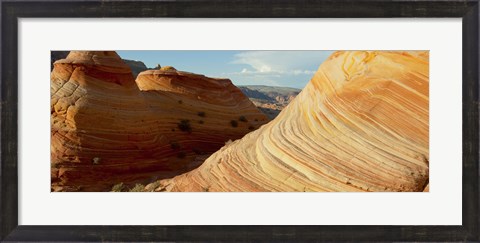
(361, 124)
(108, 128)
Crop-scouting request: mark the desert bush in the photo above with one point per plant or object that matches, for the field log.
(251, 128)
(197, 151)
(201, 114)
(234, 123)
(168, 68)
(180, 102)
(137, 188)
(118, 187)
(174, 145)
(184, 125)
(181, 155)
(96, 160)
(242, 118)
(54, 165)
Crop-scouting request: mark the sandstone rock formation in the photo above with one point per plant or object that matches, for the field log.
(107, 128)
(57, 55)
(361, 124)
(135, 66)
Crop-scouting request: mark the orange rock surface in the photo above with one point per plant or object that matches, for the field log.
(108, 128)
(361, 124)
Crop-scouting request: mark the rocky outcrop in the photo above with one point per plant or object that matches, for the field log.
(361, 124)
(107, 127)
(57, 55)
(135, 66)
(270, 93)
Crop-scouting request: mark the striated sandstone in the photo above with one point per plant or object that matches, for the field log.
(361, 124)
(108, 128)
(135, 66)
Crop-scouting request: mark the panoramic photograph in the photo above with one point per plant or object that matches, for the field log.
(239, 121)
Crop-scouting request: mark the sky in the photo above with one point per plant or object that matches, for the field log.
(273, 68)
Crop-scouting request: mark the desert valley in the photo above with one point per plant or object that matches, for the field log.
(360, 124)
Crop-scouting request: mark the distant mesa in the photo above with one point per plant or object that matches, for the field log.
(361, 124)
(136, 66)
(108, 127)
(269, 99)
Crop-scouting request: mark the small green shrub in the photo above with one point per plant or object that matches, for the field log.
(174, 145)
(197, 151)
(201, 114)
(96, 160)
(54, 165)
(242, 118)
(234, 123)
(118, 187)
(184, 125)
(138, 188)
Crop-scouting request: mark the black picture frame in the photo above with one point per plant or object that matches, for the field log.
(11, 11)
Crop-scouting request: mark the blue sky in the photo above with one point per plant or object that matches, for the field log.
(273, 68)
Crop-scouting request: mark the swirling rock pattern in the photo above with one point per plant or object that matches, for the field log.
(108, 128)
(361, 124)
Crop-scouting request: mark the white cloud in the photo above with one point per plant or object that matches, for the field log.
(272, 73)
(276, 68)
(254, 81)
(281, 62)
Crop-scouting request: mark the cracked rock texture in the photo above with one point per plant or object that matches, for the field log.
(108, 128)
(361, 124)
